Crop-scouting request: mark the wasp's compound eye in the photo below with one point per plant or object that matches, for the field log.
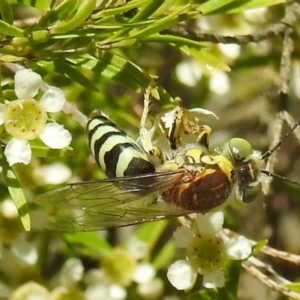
(240, 149)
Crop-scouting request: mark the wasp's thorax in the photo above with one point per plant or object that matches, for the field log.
(206, 181)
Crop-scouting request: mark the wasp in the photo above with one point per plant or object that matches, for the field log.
(189, 178)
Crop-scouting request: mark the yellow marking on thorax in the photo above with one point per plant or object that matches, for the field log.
(224, 164)
(195, 153)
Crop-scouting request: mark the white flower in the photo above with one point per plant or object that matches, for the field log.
(55, 173)
(100, 287)
(144, 272)
(17, 150)
(170, 117)
(186, 126)
(152, 289)
(30, 290)
(206, 253)
(21, 254)
(183, 236)
(106, 291)
(181, 274)
(214, 279)
(176, 128)
(25, 118)
(25, 252)
(189, 72)
(71, 272)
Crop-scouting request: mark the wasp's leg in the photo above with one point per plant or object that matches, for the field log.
(145, 137)
(202, 132)
(203, 136)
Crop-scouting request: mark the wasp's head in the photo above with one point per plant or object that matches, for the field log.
(247, 167)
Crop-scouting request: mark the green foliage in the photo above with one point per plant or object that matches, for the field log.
(16, 193)
(104, 54)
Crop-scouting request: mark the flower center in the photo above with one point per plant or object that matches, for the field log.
(119, 266)
(206, 254)
(25, 119)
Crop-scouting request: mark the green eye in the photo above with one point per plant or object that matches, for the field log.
(240, 149)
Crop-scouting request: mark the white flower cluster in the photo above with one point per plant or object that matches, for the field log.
(206, 252)
(74, 282)
(26, 118)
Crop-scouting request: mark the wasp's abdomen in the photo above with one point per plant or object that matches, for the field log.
(203, 193)
(114, 151)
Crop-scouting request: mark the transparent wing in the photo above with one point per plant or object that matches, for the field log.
(116, 202)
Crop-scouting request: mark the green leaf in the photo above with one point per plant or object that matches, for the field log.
(90, 240)
(6, 12)
(173, 40)
(107, 66)
(206, 294)
(40, 150)
(239, 6)
(212, 5)
(84, 10)
(2, 99)
(151, 232)
(295, 286)
(10, 30)
(69, 70)
(232, 275)
(61, 12)
(40, 4)
(170, 20)
(165, 255)
(258, 246)
(233, 6)
(120, 70)
(142, 15)
(16, 193)
(120, 9)
(147, 11)
(204, 56)
(64, 9)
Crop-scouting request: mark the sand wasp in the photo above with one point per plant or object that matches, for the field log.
(187, 178)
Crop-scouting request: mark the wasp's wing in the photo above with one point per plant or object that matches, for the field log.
(101, 204)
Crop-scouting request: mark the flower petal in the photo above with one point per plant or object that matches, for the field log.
(2, 113)
(210, 223)
(214, 279)
(189, 72)
(71, 272)
(8, 209)
(238, 247)
(27, 83)
(100, 290)
(117, 292)
(183, 236)
(55, 136)
(143, 273)
(17, 151)
(53, 100)
(55, 173)
(181, 274)
(25, 251)
(201, 113)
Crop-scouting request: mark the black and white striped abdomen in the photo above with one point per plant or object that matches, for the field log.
(116, 153)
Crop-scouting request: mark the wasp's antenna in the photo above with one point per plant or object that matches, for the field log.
(280, 177)
(269, 152)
